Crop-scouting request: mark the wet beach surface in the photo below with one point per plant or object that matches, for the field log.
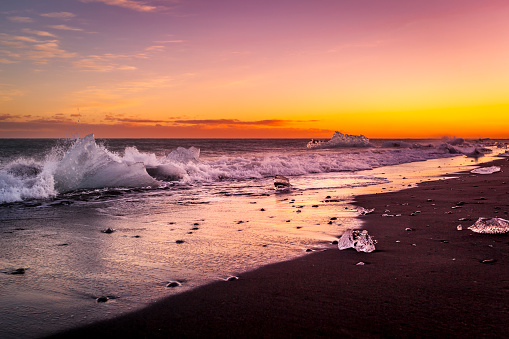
(426, 278)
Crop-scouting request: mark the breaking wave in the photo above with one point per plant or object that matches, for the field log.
(86, 165)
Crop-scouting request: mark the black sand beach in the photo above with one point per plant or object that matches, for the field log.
(430, 281)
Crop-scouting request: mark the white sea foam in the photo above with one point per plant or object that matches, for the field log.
(88, 165)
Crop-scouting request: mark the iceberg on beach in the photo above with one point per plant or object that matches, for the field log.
(486, 170)
(358, 239)
(341, 140)
(490, 226)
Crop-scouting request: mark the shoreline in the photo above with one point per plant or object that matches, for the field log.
(430, 283)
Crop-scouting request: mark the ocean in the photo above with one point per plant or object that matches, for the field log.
(101, 227)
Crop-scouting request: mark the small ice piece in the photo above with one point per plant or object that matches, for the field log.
(459, 228)
(281, 183)
(486, 170)
(364, 211)
(490, 226)
(358, 239)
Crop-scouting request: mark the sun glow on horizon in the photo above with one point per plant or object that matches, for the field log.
(193, 69)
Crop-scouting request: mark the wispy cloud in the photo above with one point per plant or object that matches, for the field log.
(130, 4)
(39, 33)
(66, 28)
(169, 41)
(236, 122)
(8, 93)
(103, 63)
(28, 48)
(117, 95)
(7, 61)
(59, 15)
(20, 19)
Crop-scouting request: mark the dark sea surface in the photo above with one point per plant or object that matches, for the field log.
(123, 218)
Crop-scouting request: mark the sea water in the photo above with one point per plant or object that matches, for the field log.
(190, 211)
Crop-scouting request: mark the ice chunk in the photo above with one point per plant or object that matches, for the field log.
(490, 226)
(486, 170)
(341, 140)
(364, 211)
(281, 183)
(358, 239)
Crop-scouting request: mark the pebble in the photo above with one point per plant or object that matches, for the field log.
(173, 284)
(102, 299)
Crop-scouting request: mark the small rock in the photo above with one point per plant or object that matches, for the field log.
(488, 261)
(173, 284)
(334, 218)
(335, 242)
(102, 299)
(459, 228)
(232, 278)
(408, 229)
(180, 241)
(314, 206)
(262, 209)
(18, 271)
(360, 263)
(108, 230)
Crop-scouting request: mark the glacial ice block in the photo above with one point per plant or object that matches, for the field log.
(358, 239)
(486, 170)
(490, 226)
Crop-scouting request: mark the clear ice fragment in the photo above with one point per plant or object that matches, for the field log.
(358, 239)
(486, 170)
(490, 226)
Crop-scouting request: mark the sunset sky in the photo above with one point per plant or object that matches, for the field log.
(265, 68)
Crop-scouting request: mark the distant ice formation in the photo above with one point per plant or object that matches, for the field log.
(341, 140)
(490, 226)
(486, 170)
(358, 239)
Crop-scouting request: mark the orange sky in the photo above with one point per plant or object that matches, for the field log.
(285, 68)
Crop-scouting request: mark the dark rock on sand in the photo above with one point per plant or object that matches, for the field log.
(108, 230)
(180, 241)
(488, 261)
(102, 299)
(173, 284)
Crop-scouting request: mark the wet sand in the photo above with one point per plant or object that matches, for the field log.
(430, 281)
